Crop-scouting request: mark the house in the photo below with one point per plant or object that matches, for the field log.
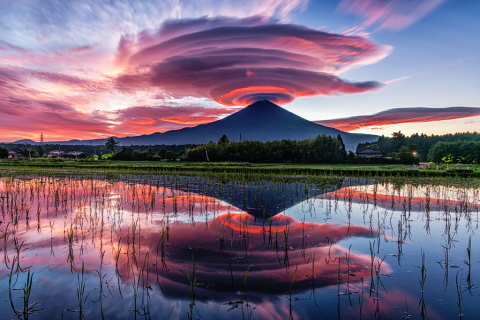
(55, 154)
(370, 153)
(14, 155)
(74, 153)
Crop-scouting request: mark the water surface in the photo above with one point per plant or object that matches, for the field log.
(162, 247)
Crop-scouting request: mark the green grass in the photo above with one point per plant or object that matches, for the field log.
(185, 164)
(274, 169)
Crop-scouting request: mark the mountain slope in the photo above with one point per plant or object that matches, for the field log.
(262, 120)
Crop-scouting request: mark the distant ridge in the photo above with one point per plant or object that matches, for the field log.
(262, 121)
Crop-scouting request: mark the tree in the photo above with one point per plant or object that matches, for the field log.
(162, 153)
(399, 140)
(406, 155)
(28, 153)
(40, 151)
(455, 152)
(223, 139)
(170, 155)
(111, 144)
(3, 153)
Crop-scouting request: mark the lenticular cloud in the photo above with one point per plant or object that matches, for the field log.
(239, 61)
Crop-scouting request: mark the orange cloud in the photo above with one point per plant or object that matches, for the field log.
(192, 120)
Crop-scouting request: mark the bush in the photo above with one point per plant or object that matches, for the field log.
(154, 157)
(171, 156)
(3, 153)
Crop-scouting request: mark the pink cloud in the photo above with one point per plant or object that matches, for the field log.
(396, 79)
(390, 14)
(4, 45)
(67, 80)
(26, 111)
(231, 61)
(162, 118)
(238, 61)
(401, 115)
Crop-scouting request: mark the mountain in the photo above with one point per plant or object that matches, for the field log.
(262, 120)
(25, 141)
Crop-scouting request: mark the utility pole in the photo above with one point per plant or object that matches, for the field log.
(29, 154)
(206, 153)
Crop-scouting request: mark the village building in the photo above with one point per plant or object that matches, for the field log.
(370, 153)
(75, 153)
(55, 154)
(14, 155)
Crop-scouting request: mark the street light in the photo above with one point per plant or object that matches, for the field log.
(415, 155)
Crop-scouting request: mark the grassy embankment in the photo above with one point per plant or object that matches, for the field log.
(287, 169)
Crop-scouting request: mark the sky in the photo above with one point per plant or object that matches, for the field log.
(95, 69)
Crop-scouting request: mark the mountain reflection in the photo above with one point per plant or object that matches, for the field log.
(172, 236)
(266, 198)
(217, 246)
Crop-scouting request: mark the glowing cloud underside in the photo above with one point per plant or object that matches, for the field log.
(401, 115)
(239, 61)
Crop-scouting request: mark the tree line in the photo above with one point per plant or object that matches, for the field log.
(455, 152)
(454, 148)
(35, 151)
(321, 149)
(132, 154)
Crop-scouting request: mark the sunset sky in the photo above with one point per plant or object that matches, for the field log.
(95, 69)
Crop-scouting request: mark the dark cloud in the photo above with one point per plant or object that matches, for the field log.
(238, 61)
(401, 115)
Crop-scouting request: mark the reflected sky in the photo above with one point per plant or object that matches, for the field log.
(174, 241)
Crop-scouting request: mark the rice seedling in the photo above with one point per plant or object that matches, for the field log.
(468, 262)
(459, 295)
(423, 272)
(139, 216)
(192, 280)
(81, 296)
(27, 307)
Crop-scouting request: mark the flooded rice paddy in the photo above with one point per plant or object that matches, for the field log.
(172, 247)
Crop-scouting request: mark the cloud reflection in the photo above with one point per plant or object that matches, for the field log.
(238, 252)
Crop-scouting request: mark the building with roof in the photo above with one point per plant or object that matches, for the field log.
(14, 155)
(370, 153)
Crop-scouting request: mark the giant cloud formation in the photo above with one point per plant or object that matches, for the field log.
(239, 61)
